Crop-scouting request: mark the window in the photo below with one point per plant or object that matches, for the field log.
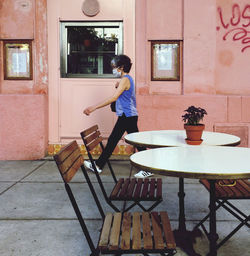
(165, 60)
(88, 47)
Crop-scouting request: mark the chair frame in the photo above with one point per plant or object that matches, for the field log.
(139, 189)
(115, 234)
(226, 190)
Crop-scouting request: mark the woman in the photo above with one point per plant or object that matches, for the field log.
(125, 110)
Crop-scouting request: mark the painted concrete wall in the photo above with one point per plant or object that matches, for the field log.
(24, 103)
(216, 51)
(215, 76)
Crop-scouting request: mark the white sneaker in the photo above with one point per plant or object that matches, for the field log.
(143, 174)
(89, 166)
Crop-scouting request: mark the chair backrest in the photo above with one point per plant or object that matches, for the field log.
(69, 160)
(91, 138)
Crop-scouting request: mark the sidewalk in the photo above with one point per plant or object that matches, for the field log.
(37, 219)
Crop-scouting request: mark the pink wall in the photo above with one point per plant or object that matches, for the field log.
(24, 104)
(215, 73)
(23, 127)
(216, 52)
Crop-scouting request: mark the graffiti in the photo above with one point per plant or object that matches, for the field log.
(236, 25)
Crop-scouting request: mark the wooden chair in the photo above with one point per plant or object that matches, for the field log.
(226, 191)
(121, 233)
(125, 189)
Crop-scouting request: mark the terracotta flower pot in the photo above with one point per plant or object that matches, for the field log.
(194, 133)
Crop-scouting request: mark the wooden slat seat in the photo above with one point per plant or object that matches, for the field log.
(121, 233)
(136, 231)
(225, 191)
(126, 189)
(241, 189)
(131, 190)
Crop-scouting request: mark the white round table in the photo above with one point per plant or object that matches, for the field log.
(207, 162)
(176, 138)
(171, 138)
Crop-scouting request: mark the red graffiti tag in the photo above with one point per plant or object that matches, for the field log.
(239, 32)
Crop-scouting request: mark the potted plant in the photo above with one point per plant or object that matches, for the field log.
(192, 125)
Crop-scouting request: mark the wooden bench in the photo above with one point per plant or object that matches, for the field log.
(125, 189)
(121, 233)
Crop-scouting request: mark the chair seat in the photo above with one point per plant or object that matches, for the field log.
(136, 232)
(137, 189)
(228, 189)
(133, 190)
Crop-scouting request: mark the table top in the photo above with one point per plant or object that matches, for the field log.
(207, 162)
(169, 138)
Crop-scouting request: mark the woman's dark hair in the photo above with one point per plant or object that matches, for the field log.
(122, 61)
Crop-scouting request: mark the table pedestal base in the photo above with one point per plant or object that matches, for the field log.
(185, 240)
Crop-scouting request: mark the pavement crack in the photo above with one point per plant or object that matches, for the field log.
(36, 168)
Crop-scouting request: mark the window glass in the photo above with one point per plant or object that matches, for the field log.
(87, 48)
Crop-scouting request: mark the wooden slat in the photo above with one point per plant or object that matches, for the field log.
(157, 232)
(91, 137)
(219, 190)
(243, 188)
(104, 238)
(205, 183)
(170, 241)
(126, 229)
(229, 192)
(124, 189)
(159, 188)
(89, 130)
(237, 190)
(92, 145)
(65, 152)
(152, 188)
(115, 232)
(145, 188)
(138, 188)
(64, 166)
(242, 192)
(247, 181)
(136, 232)
(73, 169)
(147, 237)
(116, 189)
(246, 185)
(131, 188)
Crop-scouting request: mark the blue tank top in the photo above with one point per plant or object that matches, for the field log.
(126, 103)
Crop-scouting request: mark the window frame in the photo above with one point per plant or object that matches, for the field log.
(28, 75)
(176, 67)
(64, 40)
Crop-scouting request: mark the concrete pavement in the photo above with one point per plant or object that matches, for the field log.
(37, 219)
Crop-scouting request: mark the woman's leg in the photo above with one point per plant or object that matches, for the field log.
(131, 126)
(113, 140)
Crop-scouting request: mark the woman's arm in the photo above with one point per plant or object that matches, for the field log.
(123, 85)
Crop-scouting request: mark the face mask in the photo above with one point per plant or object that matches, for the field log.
(117, 73)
